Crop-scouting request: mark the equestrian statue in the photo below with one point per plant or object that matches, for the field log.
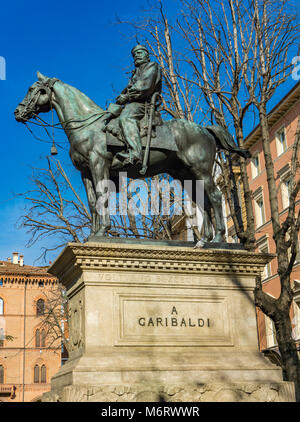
(130, 135)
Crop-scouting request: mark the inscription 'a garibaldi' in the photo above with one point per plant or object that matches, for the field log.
(173, 321)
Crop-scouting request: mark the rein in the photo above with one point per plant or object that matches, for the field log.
(48, 86)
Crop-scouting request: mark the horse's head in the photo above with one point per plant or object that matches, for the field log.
(37, 99)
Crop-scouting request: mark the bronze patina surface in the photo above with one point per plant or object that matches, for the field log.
(182, 149)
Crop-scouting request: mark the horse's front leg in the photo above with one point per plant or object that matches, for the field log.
(215, 198)
(99, 167)
(92, 199)
(212, 199)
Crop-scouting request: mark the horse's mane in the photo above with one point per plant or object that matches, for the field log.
(88, 103)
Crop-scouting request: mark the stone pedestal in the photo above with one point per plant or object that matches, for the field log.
(163, 323)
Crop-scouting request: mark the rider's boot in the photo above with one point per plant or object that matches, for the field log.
(134, 159)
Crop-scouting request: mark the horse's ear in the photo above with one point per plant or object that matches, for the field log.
(40, 76)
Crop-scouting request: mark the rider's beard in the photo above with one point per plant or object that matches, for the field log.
(139, 61)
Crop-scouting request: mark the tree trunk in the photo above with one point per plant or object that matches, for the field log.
(287, 349)
(249, 230)
(281, 316)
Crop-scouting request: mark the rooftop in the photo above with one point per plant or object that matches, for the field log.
(16, 267)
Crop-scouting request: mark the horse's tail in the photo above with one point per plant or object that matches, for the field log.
(225, 141)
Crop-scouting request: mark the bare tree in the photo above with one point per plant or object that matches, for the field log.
(54, 209)
(179, 100)
(275, 34)
(234, 55)
(207, 69)
(55, 318)
(159, 204)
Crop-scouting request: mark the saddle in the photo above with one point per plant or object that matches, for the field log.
(114, 129)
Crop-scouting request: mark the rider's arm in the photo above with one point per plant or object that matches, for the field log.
(145, 85)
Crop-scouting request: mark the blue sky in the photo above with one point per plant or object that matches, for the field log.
(77, 42)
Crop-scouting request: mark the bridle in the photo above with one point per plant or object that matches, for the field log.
(47, 85)
(31, 106)
(35, 95)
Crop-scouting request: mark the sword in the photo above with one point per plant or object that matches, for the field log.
(147, 149)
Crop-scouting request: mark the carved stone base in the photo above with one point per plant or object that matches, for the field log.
(214, 392)
(163, 323)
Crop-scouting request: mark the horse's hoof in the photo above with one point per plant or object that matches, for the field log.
(218, 239)
(116, 164)
(200, 244)
(100, 233)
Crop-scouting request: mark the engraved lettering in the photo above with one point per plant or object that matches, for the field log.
(190, 323)
(150, 322)
(183, 323)
(174, 311)
(201, 322)
(174, 322)
(159, 322)
(142, 322)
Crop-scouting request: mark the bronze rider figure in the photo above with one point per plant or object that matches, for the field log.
(145, 81)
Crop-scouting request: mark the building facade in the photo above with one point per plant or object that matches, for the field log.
(283, 120)
(28, 359)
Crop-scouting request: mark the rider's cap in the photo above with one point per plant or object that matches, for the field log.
(139, 47)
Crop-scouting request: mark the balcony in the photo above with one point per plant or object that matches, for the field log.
(7, 390)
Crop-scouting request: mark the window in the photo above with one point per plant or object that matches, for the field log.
(281, 142)
(267, 268)
(2, 336)
(296, 321)
(285, 196)
(297, 259)
(259, 207)
(285, 181)
(37, 338)
(36, 374)
(289, 253)
(1, 374)
(40, 307)
(43, 374)
(227, 210)
(40, 338)
(259, 211)
(255, 167)
(262, 244)
(43, 338)
(270, 332)
(40, 374)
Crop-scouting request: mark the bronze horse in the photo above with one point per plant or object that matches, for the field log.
(190, 157)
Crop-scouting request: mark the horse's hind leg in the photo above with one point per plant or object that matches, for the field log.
(214, 196)
(207, 220)
(203, 203)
